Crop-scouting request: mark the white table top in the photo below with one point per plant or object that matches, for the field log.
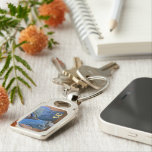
(82, 134)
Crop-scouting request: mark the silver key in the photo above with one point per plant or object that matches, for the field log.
(61, 79)
(86, 72)
(64, 80)
(73, 75)
(72, 87)
(60, 66)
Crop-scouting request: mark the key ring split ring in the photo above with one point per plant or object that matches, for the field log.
(79, 99)
(100, 91)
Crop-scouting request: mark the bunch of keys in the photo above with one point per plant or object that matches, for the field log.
(80, 77)
(45, 119)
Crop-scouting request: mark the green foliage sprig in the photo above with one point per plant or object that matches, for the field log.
(11, 23)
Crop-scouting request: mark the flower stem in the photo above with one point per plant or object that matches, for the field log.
(14, 68)
(7, 40)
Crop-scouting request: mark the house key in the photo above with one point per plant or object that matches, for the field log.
(60, 66)
(73, 75)
(86, 73)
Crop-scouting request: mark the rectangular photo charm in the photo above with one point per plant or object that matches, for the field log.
(45, 119)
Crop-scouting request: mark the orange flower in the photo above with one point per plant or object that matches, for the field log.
(4, 101)
(36, 40)
(58, 4)
(55, 10)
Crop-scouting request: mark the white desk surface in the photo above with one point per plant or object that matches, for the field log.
(82, 134)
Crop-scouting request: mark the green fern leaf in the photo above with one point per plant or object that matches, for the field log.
(6, 65)
(50, 33)
(10, 83)
(12, 9)
(44, 17)
(47, 1)
(24, 82)
(7, 75)
(19, 59)
(1, 34)
(18, 45)
(25, 74)
(45, 26)
(13, 91)
(3, 11)
(20, 94)
(8, 22)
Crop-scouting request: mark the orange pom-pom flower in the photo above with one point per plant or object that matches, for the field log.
(55, 10)
(36, 40)
(4, 101)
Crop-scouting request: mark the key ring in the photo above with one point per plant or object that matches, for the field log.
(100, 91)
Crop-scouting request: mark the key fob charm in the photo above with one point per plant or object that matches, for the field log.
(46, 118)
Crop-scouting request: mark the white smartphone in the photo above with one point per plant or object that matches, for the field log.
(130, 114)
(46, 118)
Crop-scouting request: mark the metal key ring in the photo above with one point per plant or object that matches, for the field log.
(100, 91)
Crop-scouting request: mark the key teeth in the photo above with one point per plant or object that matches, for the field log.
(116, 66)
